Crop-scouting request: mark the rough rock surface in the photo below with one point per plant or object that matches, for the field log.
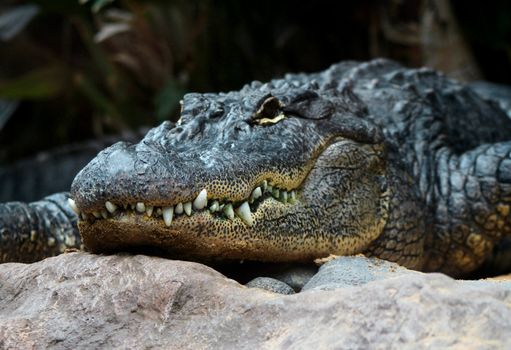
(351, 271)
(79, 300)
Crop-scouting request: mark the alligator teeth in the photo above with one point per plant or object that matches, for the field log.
(292, 197)
(188, 208)
(73, 206)
(228, 211)
(256, 193)
(168, 213)
(214, 206)
(201, 201)
(179, 208)
(111, 207)
(243, 211)
(283, 197)
(140, 207)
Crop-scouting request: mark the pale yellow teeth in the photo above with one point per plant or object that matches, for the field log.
(243, 211)
(228, 211)
(111, 207)
(179, 208)
(72, 205)
(168, 213)
(201, 201)
(140, 207)
(283, 197)
(188, 208)
(215, 206)
(256, 193)
(292, 197)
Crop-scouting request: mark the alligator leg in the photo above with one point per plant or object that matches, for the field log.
(474, 206)
(34, 231)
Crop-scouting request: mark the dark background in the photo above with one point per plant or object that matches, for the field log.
(73, 71)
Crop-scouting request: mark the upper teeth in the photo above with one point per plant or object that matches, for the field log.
(168, 213)
(140, 207)
(201, 200)
(243, 211)
(245, 214)
(110, 206)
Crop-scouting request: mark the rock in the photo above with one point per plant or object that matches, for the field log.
(270, 284)
(79, 300)
(296, 276)
(348, 271)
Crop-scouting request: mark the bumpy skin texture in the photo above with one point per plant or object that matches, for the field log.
(31, 232)
(401, 164)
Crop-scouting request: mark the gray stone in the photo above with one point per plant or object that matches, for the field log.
(348, 271)
(271, 285)
(297, 276)
(84, 301)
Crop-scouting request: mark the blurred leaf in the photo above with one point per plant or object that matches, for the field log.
(13, 20)
(167, 99)
(98, 56)
(95, 96)
(41, 83)
(7, 108)
(97, 5)
(110, 30)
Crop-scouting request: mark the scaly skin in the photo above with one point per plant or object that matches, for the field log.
(401, 164)
(31, 232)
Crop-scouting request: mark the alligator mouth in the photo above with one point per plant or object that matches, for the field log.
(219, 208)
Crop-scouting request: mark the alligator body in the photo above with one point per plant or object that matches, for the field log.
(372, 158)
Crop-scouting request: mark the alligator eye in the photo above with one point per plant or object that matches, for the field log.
(270, 112)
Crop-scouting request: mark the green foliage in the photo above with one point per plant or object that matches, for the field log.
(40, 83)
(167, 100)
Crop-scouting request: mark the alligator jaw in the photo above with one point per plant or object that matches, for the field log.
(205, 234)
(220, 209)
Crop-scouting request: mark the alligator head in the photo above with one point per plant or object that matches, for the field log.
(283, 171)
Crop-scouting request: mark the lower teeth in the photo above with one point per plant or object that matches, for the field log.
(243, 211)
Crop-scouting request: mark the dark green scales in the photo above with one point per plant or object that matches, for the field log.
(373, 158)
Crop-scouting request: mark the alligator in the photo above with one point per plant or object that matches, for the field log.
(373, 158)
